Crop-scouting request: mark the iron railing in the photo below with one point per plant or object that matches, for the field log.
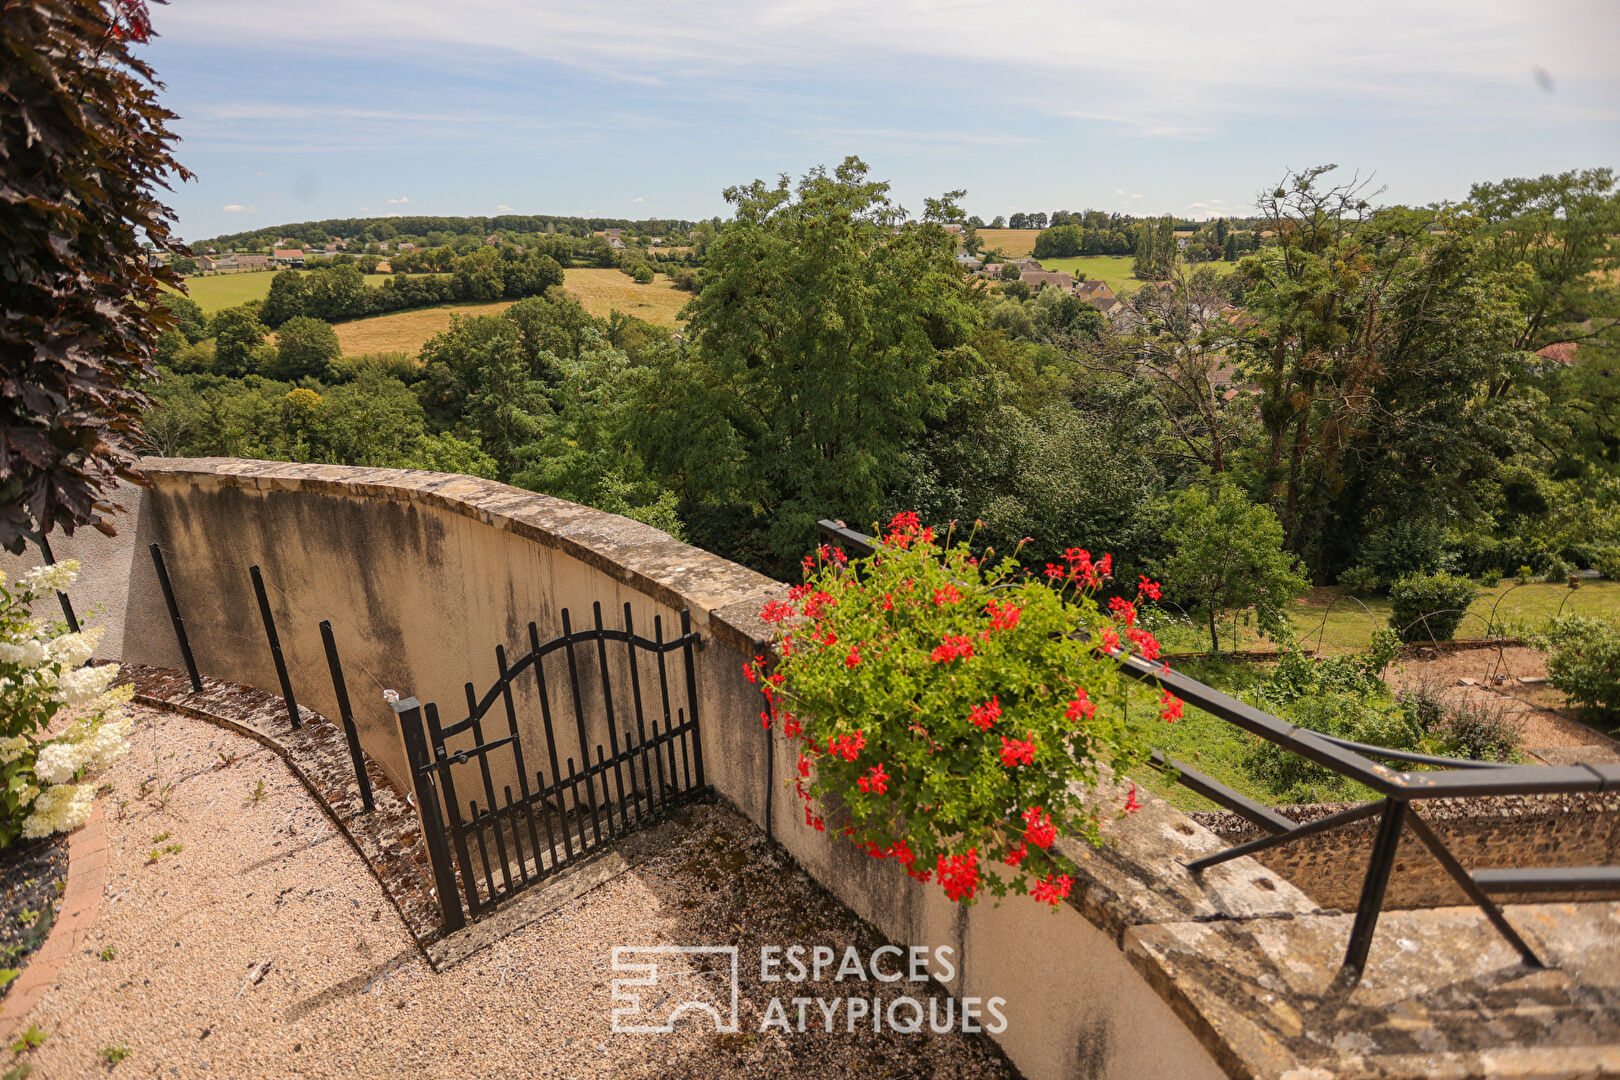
(1399, 790)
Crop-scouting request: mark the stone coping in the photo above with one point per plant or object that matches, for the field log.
(81, 903)
(675, 574)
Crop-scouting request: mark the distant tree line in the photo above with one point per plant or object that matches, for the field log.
(390, 228)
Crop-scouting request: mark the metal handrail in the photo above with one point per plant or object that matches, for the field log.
(1458, 777)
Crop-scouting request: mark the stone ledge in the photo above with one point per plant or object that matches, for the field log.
(1443, 994)
(675, 574)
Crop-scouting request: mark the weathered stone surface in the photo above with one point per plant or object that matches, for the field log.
(1443, 995)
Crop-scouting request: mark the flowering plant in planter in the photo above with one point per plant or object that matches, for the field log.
(41, 673)
(944, 709)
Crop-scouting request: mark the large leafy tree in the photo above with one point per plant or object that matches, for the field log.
(821, 331)
(84, 150)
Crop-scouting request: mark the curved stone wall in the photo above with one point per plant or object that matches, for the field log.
(422, 574)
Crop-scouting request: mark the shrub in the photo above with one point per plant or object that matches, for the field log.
(1607, 562)
(1292, 778)
(943, 710)
(1359, 580)
(1429, 607)
(41, 672)
(643, 274)
(1491, 578)
(1585, 661)
(1482, 731)
(1524, 574)
(1557, 571)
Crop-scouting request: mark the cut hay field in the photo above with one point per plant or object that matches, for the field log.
(1016, 243)
(599, 291)
(406, 331)
(219, 291)
(1114, 269)
(603, 290)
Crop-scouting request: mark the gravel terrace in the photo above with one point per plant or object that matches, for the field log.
(259, 945)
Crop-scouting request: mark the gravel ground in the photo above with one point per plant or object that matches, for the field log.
(1539, 709)
(262, 947)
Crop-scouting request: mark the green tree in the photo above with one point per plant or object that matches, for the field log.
(288, 298)
(335, 292)
(237, 332)
(86, 149)
(1228, 555)
(821, 331)
(305, 347)
(1059, 242)
(1565, 230)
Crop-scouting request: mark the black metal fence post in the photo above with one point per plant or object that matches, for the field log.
(417, 758)
(174, 617)
(1379, 866)
(61, 597)
(275, 647)
(341, 689)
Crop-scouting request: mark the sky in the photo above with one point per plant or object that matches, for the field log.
(298, 110)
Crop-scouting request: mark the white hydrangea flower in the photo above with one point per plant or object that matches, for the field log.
(59, 761)
(30, 652)
(108, 744)
(11, 748)
(59, 809)
(75, 649)
(56, 578)
(84, 684)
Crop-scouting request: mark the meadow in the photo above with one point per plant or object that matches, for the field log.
(216, 292)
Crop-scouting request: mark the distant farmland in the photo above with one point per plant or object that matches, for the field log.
(599, 291)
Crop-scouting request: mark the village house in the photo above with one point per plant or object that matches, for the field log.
(1041, 279)
(968, 262)
(406, 245)
(251, 262)
(289, 256)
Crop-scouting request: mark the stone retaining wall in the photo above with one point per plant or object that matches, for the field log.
(1516, 830)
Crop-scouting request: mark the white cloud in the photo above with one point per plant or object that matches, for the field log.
(638, 198)
(1437, 57)
(1198, 206)
(1119, 191)
(238, 208)
(401, 199)
(1138, 195)
(504, 209)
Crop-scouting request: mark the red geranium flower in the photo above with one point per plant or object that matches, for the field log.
(1017, 752)
(1050, 889)
(875, 781)
(1170, 707)
(953, 647)
(1081, 708)
(959, 874)
(1039, 829)
(1131, 805)
(983, 716)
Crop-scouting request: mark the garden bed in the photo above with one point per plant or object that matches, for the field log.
(32, 877)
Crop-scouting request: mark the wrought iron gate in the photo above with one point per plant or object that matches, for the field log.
(510, 843)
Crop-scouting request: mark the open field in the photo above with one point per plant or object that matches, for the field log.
(406, 331)
(599, 291)
(1345, 624)
(1014, 242)
(219, 291)
(605, 290)
(1114, 269)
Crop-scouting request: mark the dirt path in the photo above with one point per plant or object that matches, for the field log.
(1513, 679)
(262, 947)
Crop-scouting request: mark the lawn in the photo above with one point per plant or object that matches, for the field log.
(1340, 623)
(219, 291)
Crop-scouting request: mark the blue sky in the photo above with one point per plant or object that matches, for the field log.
(298, 110)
